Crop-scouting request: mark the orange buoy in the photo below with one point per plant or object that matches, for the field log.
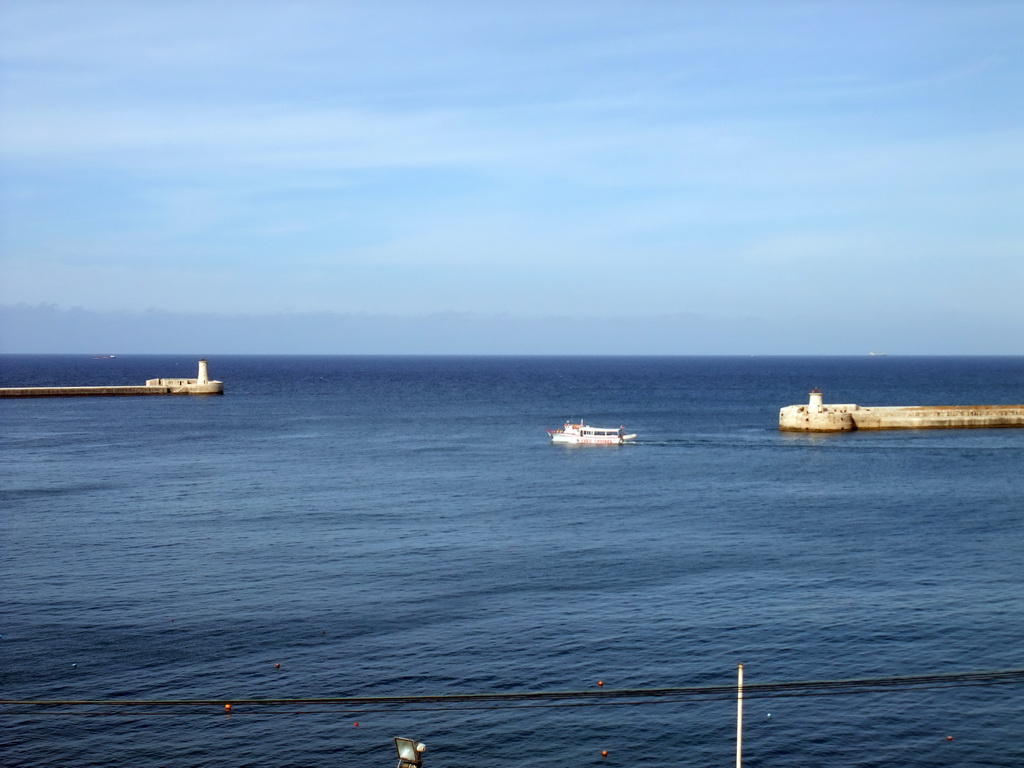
(277, 666)
(604, 753)
(600, 682)
(949, 738)
(227, 707)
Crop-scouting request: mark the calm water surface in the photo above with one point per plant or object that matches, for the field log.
(403, 526)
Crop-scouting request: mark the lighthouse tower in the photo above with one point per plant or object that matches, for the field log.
(814, 406)
(203, 384)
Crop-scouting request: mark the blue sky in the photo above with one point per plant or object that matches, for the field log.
(551, 177)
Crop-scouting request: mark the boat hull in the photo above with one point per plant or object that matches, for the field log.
(581, 434)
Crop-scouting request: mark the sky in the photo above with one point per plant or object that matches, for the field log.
(512, 177)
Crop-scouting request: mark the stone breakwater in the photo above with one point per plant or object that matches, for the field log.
(817, 416)
(201, 385)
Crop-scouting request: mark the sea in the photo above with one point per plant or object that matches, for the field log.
(390, 528)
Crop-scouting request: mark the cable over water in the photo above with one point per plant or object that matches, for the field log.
(631, 696)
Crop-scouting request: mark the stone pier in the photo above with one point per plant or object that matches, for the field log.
(817, 416)
(201, 385)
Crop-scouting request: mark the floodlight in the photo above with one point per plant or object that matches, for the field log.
(410, 752)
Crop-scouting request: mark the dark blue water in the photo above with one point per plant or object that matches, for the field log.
(403, 526)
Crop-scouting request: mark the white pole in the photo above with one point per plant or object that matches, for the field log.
(739, 719)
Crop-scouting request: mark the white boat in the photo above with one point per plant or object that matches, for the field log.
(582, 433)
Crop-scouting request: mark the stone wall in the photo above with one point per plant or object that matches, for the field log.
(940, 417)
(818, 417)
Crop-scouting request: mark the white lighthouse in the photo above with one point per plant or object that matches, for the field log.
(201, 385)
(814, 406)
